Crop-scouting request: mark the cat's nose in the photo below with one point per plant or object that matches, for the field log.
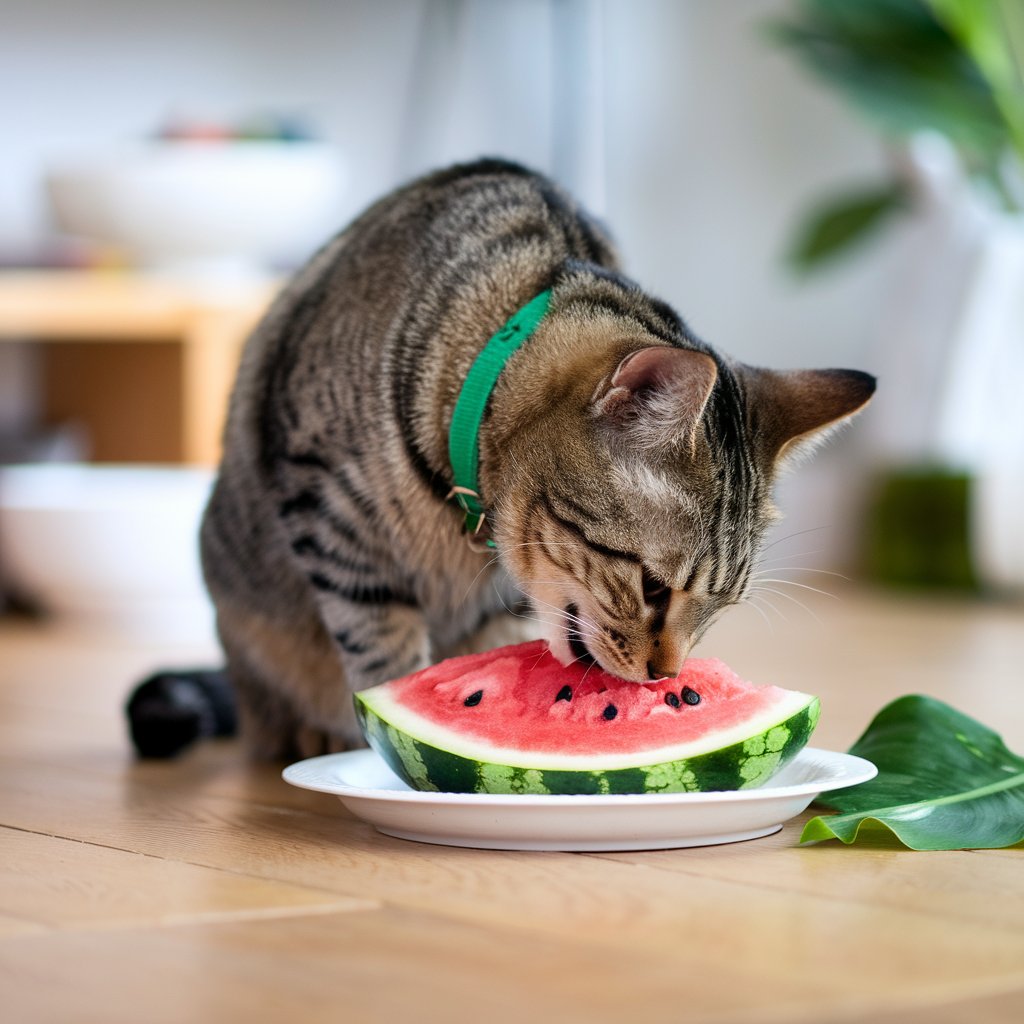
(664, 671)
(667, 666)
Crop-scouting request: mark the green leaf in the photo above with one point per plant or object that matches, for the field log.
(992, 32)
(901, 66)
(842, 222)
(945, 782)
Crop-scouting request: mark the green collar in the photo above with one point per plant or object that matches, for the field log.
(463, 435)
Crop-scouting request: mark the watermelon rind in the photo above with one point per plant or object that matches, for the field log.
(431, 758)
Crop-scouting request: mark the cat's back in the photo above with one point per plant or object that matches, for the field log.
(345, 359)
(476, 236)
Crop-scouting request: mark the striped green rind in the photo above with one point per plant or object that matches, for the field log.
(742, 765)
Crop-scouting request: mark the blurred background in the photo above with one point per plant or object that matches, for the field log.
(808, 182)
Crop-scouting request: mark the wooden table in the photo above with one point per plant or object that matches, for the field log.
(208, 890)
(209, 320)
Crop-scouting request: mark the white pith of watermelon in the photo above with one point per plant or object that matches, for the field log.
(516, 736)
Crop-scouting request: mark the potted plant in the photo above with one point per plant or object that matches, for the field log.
(943, 82)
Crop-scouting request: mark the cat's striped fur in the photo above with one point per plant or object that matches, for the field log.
(626, 466)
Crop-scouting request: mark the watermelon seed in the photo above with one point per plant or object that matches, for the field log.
(672, 700)
(690, 696)
(474, 698)
(610, 712)
(565, 693)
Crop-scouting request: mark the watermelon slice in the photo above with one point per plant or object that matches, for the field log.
(514, 720)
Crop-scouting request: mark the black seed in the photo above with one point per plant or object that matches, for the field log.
(610, 712)
(565, 693)
(690, 696)
(474, 698)
(672, 700)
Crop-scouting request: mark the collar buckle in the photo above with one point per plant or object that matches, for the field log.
(476, 528)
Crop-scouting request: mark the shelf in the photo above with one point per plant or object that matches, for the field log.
(206, 322)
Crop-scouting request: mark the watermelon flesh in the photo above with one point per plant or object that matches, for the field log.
(515, 720)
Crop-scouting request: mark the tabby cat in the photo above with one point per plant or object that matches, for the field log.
(626, 468)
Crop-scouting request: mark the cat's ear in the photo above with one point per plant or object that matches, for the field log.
(790, 412)
(655, 397)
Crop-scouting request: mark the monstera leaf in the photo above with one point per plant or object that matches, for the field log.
(945, 782)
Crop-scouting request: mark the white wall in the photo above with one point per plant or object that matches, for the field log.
(699, 144)
(716, 143)
(77, 74)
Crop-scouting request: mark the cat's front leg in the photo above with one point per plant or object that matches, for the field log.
(376, 641)
(370, 617)
(294, 677)
(370, 644)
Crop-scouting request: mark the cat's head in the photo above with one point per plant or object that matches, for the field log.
(638, 500)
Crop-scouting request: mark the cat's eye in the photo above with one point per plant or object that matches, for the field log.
(653, 589)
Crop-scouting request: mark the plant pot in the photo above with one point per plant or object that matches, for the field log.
(951, 359)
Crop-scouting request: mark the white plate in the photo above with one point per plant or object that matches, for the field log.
(651, 821)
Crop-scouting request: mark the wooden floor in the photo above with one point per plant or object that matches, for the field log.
(208, 890)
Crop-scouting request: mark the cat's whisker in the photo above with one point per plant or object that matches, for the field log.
(548, 619)
(790, 536)
(562, 611)
(585, 629)
(541, 620)
(537, 661)
(751, 601)
(530, 616)
(789, 554)
(790, 597)
(793, 583)
(487, 565)
(802, 569)
(495, 559)
(768, 602)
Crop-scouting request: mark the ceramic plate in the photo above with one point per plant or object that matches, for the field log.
(651, 821)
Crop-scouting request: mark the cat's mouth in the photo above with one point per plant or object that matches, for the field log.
(579, 649)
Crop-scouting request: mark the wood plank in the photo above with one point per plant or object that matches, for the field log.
(396, 964)
(89, 665)
(954, 885)
(767, 932)
(176, 347)
(756, 932)
(992, 1008)
(98, 745)
(870, 646)
(116, 304)
(58, 883)
(56, 304)
(17, 926)
(385, 966)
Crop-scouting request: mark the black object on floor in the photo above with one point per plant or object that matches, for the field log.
(170, 710)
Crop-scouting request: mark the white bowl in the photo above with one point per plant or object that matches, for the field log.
(117, 543)
(176, 203)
